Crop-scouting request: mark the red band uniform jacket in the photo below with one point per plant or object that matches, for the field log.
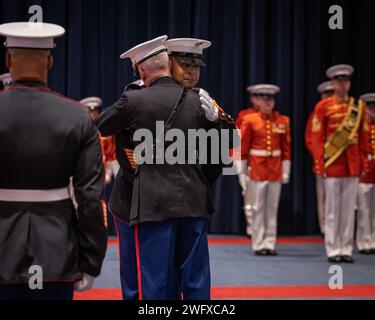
(327, 118)
(269, 135)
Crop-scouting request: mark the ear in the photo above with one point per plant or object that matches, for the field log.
(142, 74)
(50, 62)
(8, 60)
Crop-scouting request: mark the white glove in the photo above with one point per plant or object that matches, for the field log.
(286, 171)
(243, 179)
(240, 166)
(115, 167)
(211, 111)
(84, 284)
(242, 171)
(108, 173)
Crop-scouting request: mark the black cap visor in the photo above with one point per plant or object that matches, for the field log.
(189, 58)
(342, 77)
(264, 96)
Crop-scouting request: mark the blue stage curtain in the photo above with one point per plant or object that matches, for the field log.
(286, 42)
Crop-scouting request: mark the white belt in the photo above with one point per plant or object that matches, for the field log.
(265, 153)
(16, 195)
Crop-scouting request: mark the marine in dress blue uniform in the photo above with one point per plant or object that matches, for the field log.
(170, 204)
(45, 140)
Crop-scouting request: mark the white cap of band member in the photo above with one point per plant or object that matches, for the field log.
(340, 70)
(325, 87)
(368, 97)
(146, 50)
(188, 50)
(92, 102)
(31, 35)
(265, 89)
(6, 79)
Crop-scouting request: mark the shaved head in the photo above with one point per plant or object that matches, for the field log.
(29, 63)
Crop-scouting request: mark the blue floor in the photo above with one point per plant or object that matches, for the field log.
(235, 265)
(295, 265)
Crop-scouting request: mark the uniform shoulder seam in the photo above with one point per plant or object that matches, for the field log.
(55, 93)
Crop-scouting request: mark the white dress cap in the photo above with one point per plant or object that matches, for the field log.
(325, 86)
(31, 35)
(266, 89)
(368, 97)
(340, 70)
(92, 102)
(146, 50)
(188, 45)
(6, 79)
(188, 50)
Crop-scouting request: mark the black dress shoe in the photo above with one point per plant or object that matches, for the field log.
(262, 252)
(372, 251)
(365, 251)
(347, 259)
(272, 252)
(335, 259)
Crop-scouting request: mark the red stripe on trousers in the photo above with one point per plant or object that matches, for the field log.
(139, 273)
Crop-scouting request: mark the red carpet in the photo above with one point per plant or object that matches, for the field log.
(246, 241)
(291, 292)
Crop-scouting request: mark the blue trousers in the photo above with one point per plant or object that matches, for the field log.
(50, 291)
(172, 256)
(128, 262)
